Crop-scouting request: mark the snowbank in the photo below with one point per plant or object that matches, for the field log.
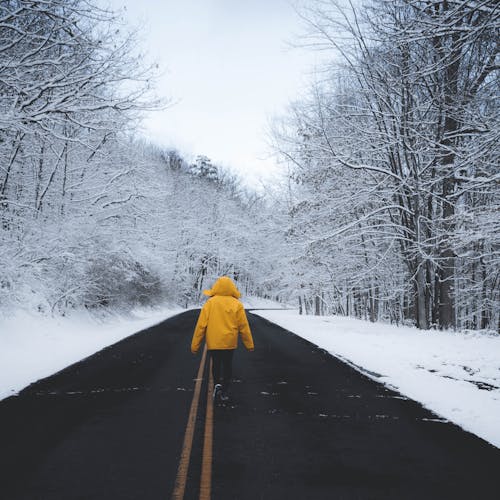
(456, 375)
(251, 302)
(35, 346)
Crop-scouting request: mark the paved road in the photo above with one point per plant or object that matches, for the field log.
(302, 425)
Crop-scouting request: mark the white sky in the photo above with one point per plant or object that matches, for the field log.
(228, 66)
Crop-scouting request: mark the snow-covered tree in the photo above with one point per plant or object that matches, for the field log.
(388, 150)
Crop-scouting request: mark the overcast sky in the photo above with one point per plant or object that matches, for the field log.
(229, 68)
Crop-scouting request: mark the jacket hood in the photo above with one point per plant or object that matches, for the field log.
(223, 286)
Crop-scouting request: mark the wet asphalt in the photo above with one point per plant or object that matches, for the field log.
(300, 425)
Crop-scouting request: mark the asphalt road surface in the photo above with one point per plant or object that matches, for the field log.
(132, 422)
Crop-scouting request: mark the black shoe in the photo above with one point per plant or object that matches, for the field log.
(224, 396)
(217, 392)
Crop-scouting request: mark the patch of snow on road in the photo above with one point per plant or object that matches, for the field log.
(35, 346)
(454, 374)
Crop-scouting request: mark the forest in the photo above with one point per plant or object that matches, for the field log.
(387, 207)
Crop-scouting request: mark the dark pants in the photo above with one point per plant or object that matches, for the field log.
(222, 365)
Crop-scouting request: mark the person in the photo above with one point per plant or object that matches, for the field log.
(221, 319)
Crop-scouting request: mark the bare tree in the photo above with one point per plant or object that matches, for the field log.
(409, 109)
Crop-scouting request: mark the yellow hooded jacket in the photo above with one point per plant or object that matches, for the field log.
(221, 318)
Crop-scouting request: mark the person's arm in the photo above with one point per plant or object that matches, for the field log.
(200, 329)
(244, 329)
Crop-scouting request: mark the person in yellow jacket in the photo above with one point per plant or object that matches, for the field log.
(221, 319)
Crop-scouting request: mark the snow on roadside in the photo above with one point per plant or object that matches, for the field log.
(456, 375)
(251, 302)
(34, 346)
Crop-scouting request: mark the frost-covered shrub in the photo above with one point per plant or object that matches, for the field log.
(116, 280)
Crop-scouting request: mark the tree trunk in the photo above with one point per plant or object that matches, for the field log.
(446, 302)
(420, 282)
(484, 298)
(317, 305)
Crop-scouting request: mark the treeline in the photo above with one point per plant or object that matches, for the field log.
(211, 226)
(90, 217)
(393, 164)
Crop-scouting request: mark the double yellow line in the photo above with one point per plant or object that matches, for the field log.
(206, 466)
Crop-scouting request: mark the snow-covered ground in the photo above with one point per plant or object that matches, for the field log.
(34, 346)
(257, 302)
(456, 375)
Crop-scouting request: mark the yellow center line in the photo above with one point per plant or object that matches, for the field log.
(182, 471)
(206, 466)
